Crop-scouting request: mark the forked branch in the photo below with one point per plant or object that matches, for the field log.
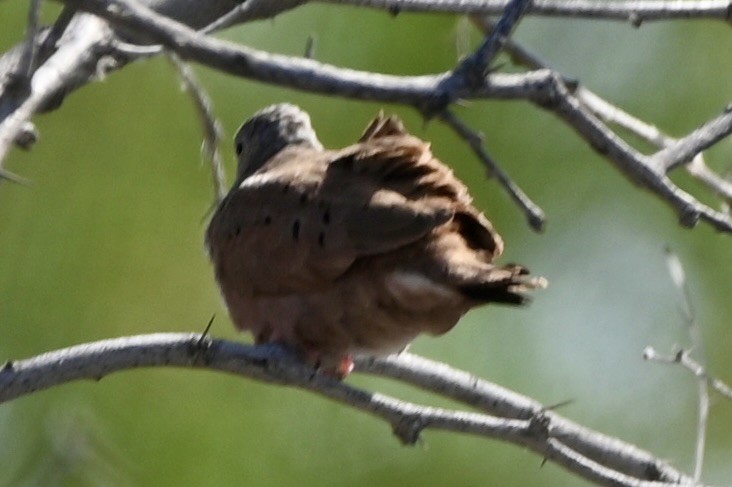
(431, 94)
(501, 414)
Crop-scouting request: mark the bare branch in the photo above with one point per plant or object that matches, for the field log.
(477, 65)
(211, 127)
(684, 150)
(470, 75)
(611, 114)
(525, 423)
(678, 276)
(460, 386)
(519, 55)
(56, 74)
(641, 169)
(633, 11)
(472, 72)
(534, 214)
(683, 357)
(28, 61)
(13, 178)
(543, 87)
(699, 169)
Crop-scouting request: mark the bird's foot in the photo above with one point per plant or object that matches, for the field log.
(337, 367)
(344, 367)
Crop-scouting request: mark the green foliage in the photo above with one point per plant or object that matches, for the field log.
(108, 242)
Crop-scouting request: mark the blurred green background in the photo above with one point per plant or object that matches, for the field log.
(108, 242)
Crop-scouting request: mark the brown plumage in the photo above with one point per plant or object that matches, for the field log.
(355, 251)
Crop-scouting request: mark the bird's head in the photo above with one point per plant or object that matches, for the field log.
(269, 131)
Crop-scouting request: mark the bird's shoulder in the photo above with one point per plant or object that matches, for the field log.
(387, 157)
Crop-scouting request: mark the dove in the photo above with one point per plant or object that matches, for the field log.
(342, 253)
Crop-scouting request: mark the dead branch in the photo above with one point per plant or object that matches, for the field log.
(430, 94)
(505, 415)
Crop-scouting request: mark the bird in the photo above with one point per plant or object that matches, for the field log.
(337, 254)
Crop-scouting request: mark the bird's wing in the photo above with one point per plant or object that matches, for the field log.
(301, 222)
(272, 234)
(283, 236)
(398, 192)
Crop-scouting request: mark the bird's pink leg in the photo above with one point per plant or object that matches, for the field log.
(339, 369)
(345, 366)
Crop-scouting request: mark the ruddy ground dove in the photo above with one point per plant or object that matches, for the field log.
(354, 251)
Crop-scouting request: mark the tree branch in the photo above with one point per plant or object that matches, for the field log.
(683, 150)
(684, 358)
(634, 11)
(211, 127)
(75, 58)
(543, 87)
(512, 417)
(533, 213)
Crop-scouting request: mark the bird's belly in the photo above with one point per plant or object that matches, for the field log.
(343, 320)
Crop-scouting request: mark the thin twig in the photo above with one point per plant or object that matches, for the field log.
(683, 357)
(534, 214)
(519, 55)
(472, 71)
(678, 276)
(683, 150)
(699, 169)
(540, 431)
(13, 178)
(211, 127)
(478, 64)
(28, 61)
(612, 114)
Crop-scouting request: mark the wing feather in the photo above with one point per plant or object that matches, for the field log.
(305, 217)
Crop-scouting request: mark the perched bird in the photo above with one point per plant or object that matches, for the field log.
(336, 253)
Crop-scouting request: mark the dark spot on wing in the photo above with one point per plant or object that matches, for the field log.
(234, 232)
(321, 239)
(296, 230)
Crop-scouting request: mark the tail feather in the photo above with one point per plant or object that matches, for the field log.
(505, 285)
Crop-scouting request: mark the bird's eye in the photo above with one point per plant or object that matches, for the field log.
(239, 148)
